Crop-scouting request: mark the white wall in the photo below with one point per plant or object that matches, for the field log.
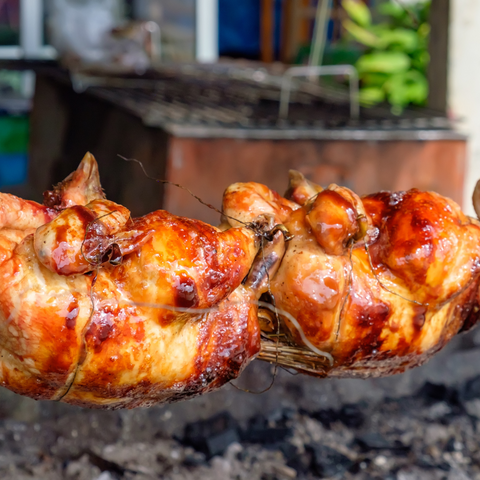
(464, 84)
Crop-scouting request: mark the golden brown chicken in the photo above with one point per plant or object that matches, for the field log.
(378, 284)
(101, 310)
(81, 285)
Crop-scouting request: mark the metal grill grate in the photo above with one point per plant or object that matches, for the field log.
(242, 100)
(232, 97)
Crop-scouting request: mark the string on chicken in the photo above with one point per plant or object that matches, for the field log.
(380, 283)
(101, 310)
(123, 352)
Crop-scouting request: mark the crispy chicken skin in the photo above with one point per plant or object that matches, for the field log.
(380, 283)
(101, 310)
(81, 296)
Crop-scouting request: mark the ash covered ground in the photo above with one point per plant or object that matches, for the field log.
(424, 425)
(432, 435)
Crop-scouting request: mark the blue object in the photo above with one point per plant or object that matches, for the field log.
(239, 27)
(13, 168)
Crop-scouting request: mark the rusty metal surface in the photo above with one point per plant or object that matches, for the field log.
(208, 165)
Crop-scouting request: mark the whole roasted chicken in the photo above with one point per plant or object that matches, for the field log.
(82, 285)
(101, 310)
(378, 284)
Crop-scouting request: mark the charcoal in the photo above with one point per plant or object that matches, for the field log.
(260, 431)
(376, 441)
(258, 421)
(266, 435)
(427, 463)
(471, 390)
(289, 451)
(301, 463)
(470, 397)
(443, 466)
(217, 444)
(433, 393)
(213, 436)
(359, 466)
(424, 436)
(105, 465)
(269, 476)
(327, 462)
(326, 417)
(280, 417)
(350, 415)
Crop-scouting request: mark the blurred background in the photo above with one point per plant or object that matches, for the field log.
(373, 95)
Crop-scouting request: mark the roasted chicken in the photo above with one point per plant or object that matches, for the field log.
(101, 310)
(82, 290)
(379, 284)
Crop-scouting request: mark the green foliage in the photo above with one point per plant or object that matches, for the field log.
(383, 62)
(358, 12)
(361, 34)
(394, 64)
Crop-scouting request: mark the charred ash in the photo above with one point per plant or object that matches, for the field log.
(433, 434)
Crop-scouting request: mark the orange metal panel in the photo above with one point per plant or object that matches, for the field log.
(208, 166)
